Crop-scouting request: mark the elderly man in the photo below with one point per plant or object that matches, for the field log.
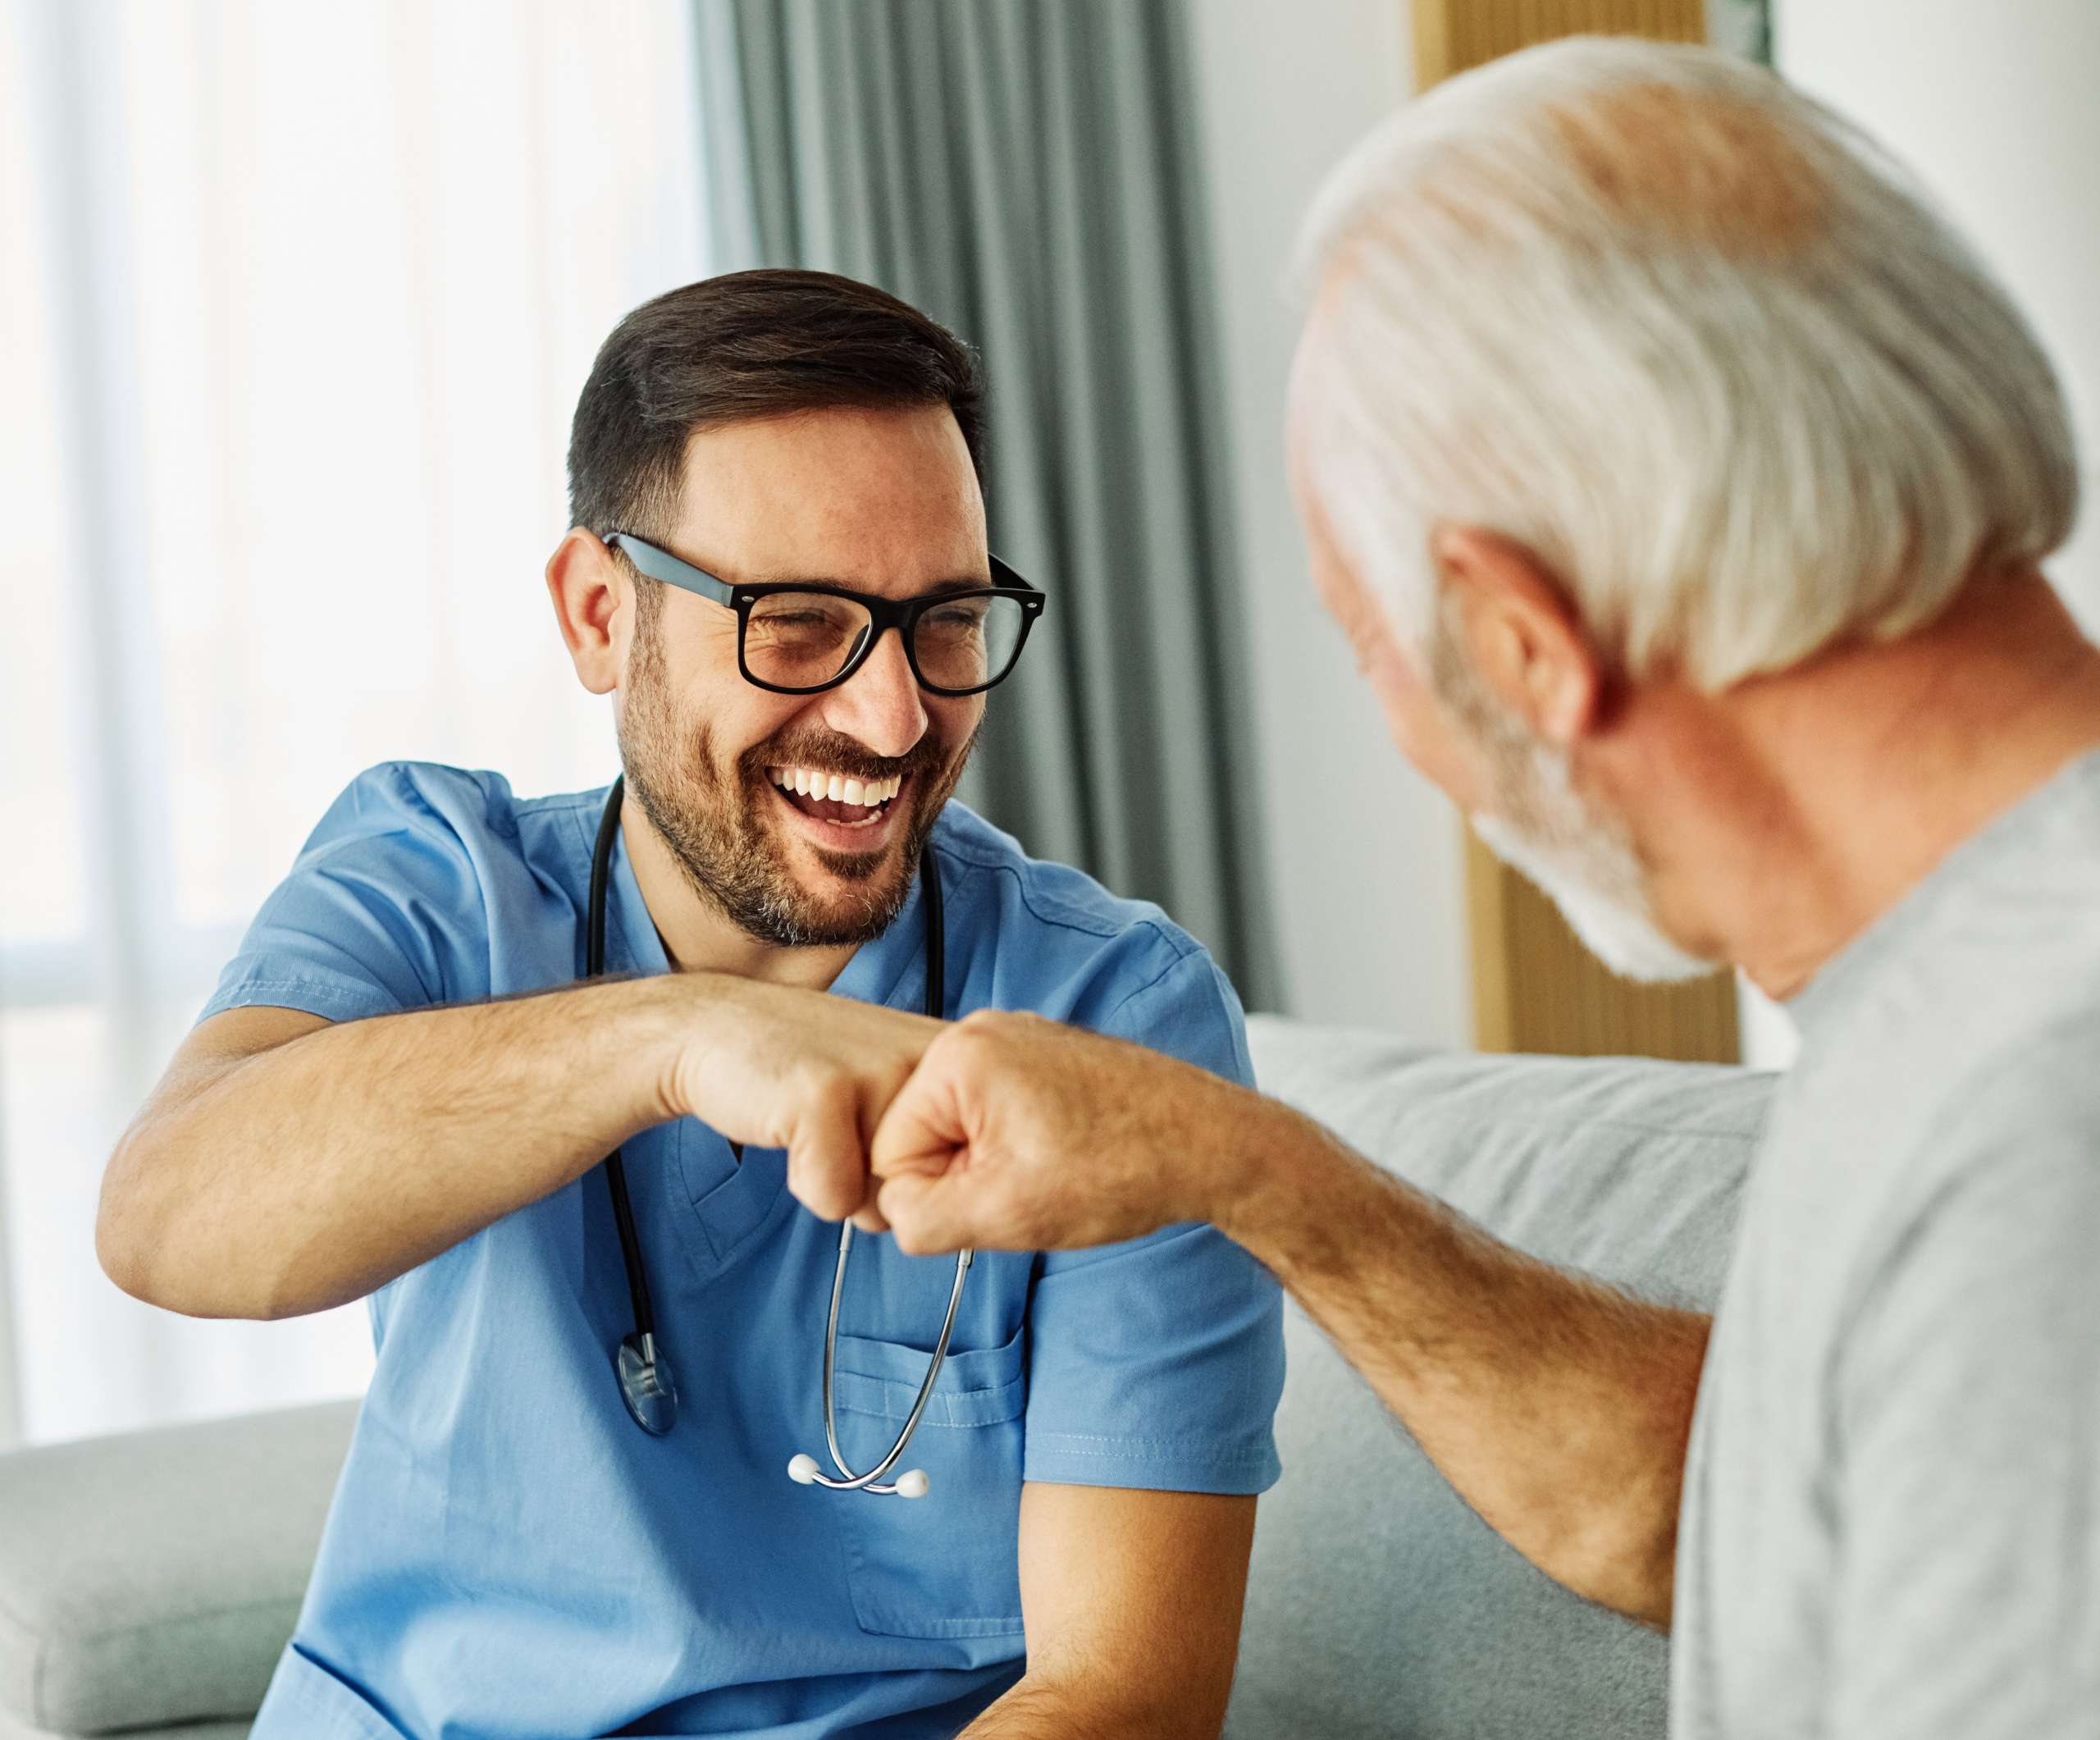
(1682, 480)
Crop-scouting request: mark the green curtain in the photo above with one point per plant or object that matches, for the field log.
(1742, 26)
(1026, 173)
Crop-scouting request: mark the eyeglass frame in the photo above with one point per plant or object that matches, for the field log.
(884, 613)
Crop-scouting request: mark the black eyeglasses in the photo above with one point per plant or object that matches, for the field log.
(795, 638)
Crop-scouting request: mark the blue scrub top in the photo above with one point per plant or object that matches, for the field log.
(508, 1557)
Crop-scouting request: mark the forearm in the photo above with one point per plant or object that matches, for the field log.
(1558, 1408)
(315, 1171)
(1027, 1712)
(1050, 1710)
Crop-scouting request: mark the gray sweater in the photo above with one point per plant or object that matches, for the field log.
(1892, 1509)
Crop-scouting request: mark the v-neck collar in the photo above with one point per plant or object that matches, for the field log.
(893, 964)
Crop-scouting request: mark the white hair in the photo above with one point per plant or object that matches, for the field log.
(1690, 338)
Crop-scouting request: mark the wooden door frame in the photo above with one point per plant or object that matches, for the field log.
(1534, 987)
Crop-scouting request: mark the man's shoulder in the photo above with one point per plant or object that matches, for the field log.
(2001, 942)
(2029, 1101)
(1997, 1154)
(986, 863)
(1062, 917)
(471, 804)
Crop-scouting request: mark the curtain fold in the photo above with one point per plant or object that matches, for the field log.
(1026, 171)
(1742, 26)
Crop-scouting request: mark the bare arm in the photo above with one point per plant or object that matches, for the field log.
(1132, 1601)
(286, 1164)
(1560, 1408)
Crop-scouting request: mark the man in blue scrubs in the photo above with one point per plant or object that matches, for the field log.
(399, 1091)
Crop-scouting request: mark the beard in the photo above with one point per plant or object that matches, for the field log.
(713, 817)
(1582, 860)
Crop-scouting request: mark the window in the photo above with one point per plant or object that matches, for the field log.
(300, 299)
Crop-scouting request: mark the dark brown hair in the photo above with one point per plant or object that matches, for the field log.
(745, 345)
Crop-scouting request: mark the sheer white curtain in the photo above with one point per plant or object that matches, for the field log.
(295, 302)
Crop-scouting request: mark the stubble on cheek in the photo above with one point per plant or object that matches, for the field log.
(740, 857)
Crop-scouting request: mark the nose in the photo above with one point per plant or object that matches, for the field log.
(880, 705)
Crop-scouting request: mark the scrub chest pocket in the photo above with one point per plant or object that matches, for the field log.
(946, 1566)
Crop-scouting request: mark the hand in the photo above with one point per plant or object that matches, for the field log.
(1015, 1133)
(777, 1068)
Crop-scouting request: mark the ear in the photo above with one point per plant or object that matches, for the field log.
(593, 604)
(1519, 632)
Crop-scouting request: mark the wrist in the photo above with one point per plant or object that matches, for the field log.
(1225, 1176)
(1266, 1157)
(671, 1031)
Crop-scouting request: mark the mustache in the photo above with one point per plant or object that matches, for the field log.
(837, 753)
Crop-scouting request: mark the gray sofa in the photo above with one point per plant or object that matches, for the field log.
(148, 1582)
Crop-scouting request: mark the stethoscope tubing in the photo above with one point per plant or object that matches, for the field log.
(846, 1480)
(645, 1378)
(594, 967)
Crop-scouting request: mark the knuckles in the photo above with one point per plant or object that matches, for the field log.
(990, 1038)
(985, 1025)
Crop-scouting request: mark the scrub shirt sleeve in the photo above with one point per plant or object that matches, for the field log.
(1158, 1364)
(382, 911)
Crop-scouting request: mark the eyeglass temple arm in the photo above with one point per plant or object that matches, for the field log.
(660, 565)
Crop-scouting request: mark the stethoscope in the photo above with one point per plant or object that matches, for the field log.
(646, 1384)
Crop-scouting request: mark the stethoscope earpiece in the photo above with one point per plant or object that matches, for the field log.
(803, 1471)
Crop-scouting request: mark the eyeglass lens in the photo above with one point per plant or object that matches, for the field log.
(802, 640)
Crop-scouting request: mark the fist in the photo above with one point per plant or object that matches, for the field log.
(776, 1067)
(1015, 1133)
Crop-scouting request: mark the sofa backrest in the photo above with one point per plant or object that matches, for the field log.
(1379, 1604)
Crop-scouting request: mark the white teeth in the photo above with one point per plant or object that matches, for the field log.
(867, 794)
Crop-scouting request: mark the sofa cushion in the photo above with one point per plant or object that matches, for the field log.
(239, 1729)
(1378, 1603)
(152, 1578)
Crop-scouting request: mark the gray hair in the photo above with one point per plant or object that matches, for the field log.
(1688, 337)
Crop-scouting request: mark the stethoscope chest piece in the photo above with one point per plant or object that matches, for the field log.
(645, 1385)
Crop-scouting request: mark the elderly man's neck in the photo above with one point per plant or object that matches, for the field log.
(1782, 818)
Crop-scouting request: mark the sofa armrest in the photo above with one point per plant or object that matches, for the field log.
(153, 1578)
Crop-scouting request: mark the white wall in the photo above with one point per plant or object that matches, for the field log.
(1365, 862)
(1994, 108)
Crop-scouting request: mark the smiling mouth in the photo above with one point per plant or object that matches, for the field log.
(828, 796)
